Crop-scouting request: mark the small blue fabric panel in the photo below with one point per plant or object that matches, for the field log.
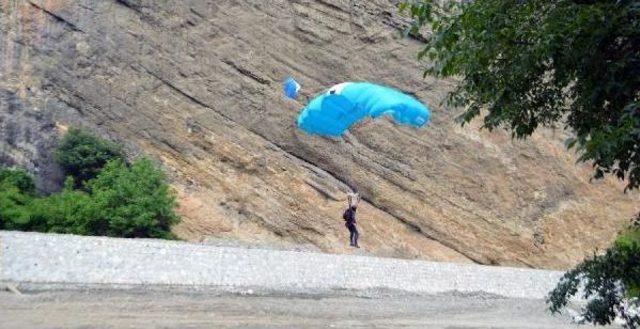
(290, 88)
(333, 112)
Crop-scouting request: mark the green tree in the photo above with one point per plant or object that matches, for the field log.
(67, 211)
(16, 192)
(116, 199)
(122, 201)
(19, 179)
(82, 155)
(521, 65)
(14, 214)
(131, 201)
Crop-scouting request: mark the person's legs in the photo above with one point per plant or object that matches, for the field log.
(356, 235)
(352, 233)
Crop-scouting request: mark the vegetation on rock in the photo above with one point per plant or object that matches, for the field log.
(131, 201)
(116, 199)
(14, 198)
(82, 155)
(19, 179)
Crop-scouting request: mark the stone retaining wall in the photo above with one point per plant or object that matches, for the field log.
(67, 259)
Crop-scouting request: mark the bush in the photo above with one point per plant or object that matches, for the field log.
(14, 212)
(16, 191)
(608, 281)
(82, 155)
(65, 212)
(122, 201)
(131, 202)
(630, 241)
(17, 178)
(116, 199)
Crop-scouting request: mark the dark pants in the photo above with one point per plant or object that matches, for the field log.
(353, 235)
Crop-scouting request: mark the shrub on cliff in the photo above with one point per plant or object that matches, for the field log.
(16, 189)
(131, 201)
(82, 155)
(19, 179)
(116, 199)
(64, 212)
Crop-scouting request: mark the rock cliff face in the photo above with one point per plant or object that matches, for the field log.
(195, 84)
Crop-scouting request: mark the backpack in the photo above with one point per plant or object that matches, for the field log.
(345, 215)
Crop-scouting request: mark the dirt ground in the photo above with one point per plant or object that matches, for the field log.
(171, 309)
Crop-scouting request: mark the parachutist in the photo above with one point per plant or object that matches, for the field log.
(349, 216)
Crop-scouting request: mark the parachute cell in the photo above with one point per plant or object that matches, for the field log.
(334, 111)
(291, 88)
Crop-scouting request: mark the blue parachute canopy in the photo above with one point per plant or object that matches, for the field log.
(291, 88)
(334, 111)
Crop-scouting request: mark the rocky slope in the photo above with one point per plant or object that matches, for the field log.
(196, 85)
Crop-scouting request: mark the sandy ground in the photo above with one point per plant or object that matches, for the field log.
(175, 309)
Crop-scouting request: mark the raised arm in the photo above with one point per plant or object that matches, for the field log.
(353, 199)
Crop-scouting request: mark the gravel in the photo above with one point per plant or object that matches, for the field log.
(73, 260)
(141, 308)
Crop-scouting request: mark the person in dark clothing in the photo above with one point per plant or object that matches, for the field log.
(350, 220)
(351, 225)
